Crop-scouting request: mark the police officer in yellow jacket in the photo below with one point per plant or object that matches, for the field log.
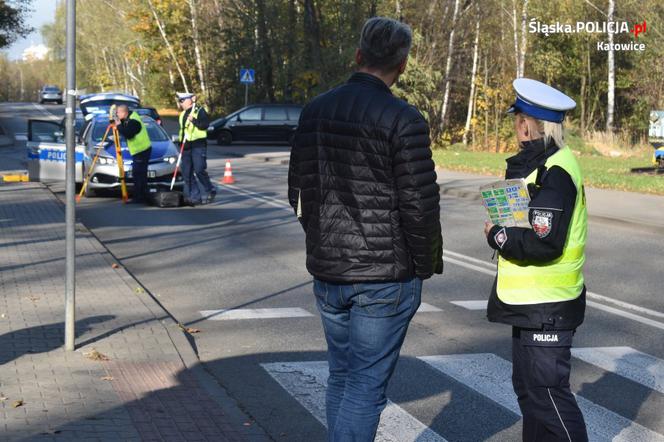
(194, 122)
(132, 128)
(539, 289)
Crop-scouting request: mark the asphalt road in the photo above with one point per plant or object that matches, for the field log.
(245, 253)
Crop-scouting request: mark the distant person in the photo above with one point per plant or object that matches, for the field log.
(363, 185)
(540, 289)
(194, 122)
(132, 128)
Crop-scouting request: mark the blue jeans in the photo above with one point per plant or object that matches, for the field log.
(365, 326)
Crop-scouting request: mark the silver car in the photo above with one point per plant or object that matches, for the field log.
(106, 174)
(50, 93)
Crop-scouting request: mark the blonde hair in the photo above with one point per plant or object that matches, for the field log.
(549, 130)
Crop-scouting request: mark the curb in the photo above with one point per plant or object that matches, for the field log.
(6, 141)
(183, 342)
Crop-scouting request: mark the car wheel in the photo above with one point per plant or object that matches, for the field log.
(59, 101)
(225, 138)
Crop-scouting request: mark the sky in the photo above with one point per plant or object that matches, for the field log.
(43, 11)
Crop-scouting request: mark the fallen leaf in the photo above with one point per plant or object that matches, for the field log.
(106, 378)
(17, 404)
(192, 330)
(94, 355)
(247, 424)
(32, 298)
(3, 316)
(115, 266)
(139, 290)
(3, 398)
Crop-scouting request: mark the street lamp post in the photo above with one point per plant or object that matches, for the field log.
(70, 184)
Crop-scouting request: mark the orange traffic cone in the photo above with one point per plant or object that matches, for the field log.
(228, 174)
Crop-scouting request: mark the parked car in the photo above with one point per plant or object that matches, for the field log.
(106, 174)
(149, 112)
(50, 93)
(275, 123)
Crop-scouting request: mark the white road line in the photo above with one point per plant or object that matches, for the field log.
(307, 381)
(627, 362)
(491, 376)
(46, 113)
(256, 313)
(489, 269)
(428, 308)
(471, 305)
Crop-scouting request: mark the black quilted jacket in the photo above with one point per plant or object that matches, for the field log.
(362, 175)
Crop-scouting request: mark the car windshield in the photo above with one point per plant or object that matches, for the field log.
(104, 105)
(155, 132)
(52, 89)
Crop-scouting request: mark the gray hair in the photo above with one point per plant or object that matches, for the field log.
(385, 43)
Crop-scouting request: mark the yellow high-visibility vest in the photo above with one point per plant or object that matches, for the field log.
(524, 282)
(188, 130)
(141, 140)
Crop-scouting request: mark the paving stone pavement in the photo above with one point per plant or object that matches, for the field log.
(147, 389)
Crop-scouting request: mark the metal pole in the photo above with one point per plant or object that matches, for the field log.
(70, 185)
(246, 94)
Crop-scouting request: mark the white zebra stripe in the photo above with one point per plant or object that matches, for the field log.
(307, 381)
(490, 376)
(632, 364)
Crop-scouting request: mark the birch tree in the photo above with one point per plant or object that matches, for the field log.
(197, 46)
(448, 67)
(610, 94)
(473, 76)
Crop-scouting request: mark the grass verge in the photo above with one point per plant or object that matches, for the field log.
(599, 171)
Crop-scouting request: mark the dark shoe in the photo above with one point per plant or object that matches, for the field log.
(191, 203)
(211, 196)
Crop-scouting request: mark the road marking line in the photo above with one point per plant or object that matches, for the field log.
(307, 382)
(428, 308)
(491, 376)
(471, 305)
(487, 271)
(256, 313)
(627, 362)
(627, 315)
(46, 112)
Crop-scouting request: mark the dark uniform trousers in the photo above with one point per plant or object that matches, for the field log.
(194, 166)
(139, 173)
(541, 369)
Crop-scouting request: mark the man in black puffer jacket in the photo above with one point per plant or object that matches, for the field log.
(363, 184)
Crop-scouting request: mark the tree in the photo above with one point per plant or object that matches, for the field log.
(610, 94)
(12, 21)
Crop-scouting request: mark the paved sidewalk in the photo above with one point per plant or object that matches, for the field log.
(133, 376)
(606, 205)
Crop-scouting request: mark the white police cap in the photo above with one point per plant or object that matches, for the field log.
(540, 100)
(183, 95)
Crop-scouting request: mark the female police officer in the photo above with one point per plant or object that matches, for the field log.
(540, 289)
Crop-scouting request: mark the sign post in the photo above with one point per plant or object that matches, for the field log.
(247, 77)
(70, 184)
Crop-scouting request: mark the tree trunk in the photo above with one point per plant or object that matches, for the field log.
(312, 31)
(264, 47)
(471, 96)
(610, 96)
(516, 38)
(171, 52)
(448, 67)
(290, 53)
(486, 98)
(197, 46)
(524, 39)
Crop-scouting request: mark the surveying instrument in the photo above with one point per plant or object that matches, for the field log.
(113, 115)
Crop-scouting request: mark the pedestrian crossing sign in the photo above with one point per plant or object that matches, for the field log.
(247, 76)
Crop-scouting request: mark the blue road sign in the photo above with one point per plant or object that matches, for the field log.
(247, 76)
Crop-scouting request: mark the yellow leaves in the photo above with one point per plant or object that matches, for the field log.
(94, 355)
(18, 403)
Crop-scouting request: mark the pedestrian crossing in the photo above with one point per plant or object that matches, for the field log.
(490, 376)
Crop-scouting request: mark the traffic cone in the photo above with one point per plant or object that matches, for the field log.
(228, 174)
